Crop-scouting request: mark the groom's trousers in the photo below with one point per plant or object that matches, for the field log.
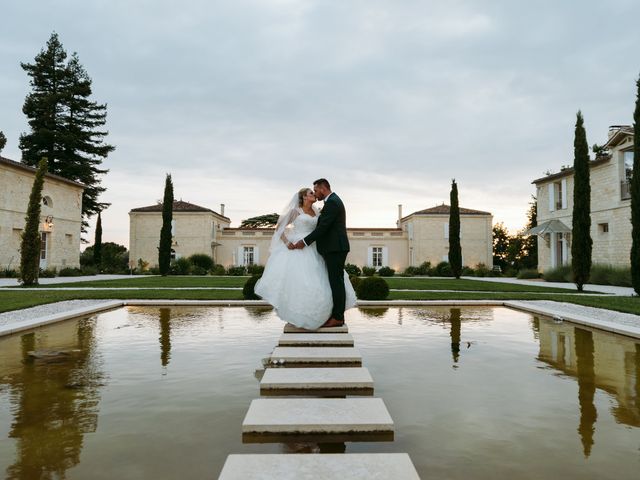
(335, 269)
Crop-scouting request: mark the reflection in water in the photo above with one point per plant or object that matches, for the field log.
(374, 312)
(165, 336)
(259, 312)
(55, 402)
(586, 388)
(455, 333)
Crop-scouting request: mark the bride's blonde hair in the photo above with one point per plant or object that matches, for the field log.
(301, 193)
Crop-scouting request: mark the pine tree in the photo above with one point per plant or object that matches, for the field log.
(581, 242)
(635, 198)
(97, 244)
(65, 125)
(3, 140)
(30, 246)
(455, 251)
(164, 249)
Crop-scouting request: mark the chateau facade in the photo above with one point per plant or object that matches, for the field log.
(610, 178)
(60, 216)
(418, 237)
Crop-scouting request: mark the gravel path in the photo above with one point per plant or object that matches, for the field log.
(7, 318)
(627, 319)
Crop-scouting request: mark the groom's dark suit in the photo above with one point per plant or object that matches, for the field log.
(333, 244)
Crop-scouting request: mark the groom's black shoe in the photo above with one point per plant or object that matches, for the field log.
(332, 322)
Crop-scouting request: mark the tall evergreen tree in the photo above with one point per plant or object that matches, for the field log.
(581, 243)
(530, 243)
(30, 246)
(164, 249)
(3, 140)
(65, 125)
(635, 198)
(455, 250)
(97, 243)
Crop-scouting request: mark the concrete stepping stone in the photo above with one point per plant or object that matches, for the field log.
(316, 381)
(317, 420)
(316, 356)
(315, 340)
(288, 328)
(352, 466)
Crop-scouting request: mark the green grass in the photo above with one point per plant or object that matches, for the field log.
(464, 285)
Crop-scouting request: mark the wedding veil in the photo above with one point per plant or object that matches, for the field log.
(286, 218)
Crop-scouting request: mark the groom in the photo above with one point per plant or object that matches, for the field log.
(333, 245)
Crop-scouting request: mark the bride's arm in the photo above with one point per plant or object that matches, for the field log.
(293, 214)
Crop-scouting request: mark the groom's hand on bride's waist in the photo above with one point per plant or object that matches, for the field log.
(300, 244)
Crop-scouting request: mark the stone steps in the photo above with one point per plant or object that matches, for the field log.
(352, 466)
(316, 381)
(315, 340)
(316, 356)
(317, 420)
(288, 328)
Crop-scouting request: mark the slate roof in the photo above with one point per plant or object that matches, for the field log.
(446, 209)
(27, 168)
(178, 206)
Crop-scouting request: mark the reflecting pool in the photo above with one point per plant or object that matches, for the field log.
(475, 392)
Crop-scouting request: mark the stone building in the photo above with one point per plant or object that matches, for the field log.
(610, 175)
(421, 236)
(60, 216)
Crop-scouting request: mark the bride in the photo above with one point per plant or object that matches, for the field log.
(295, 282)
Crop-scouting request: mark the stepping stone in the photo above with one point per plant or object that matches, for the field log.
(352, 466)
(316, 381)
(315, 340)
(288, 328)
(316, 356)
(317, 420)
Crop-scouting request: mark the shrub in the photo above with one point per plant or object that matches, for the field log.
(8, 273)
(610, 275)
(180, 266)
(197, 270)
(373, 288)
(47, 273)
(443, 269)
(248, 291)
(410, 271)
(236, 271)
(468, 271)
(69, 272)
(202, 260)
(154, 270)
(386, 272)
(558, 274)
(218, 270)
(88, 270)
(482, 270)
(424, 269)
(255, 269)
(368, 271)
(526, 273)
(355, 281)
(352, 270)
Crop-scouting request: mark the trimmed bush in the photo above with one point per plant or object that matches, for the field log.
(373, 288)
(236, 271)
(468, 271)
(88, 270)
(368, 271)
(218, 270)
(526, 273)
(248, 291)
(355, 281)
(255, 269)
(202, 260)
(386, 272)
(69, 272)
(197, 270)
(558, 274)
(8, 273)
(482, 270)
(443, 269)
(352, 270)
(180, 266)
(47, 273)
(610, 275)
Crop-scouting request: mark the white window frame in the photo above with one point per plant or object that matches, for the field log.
(248, 255)
(627, 157)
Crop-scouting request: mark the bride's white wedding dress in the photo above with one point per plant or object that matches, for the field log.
(295, 282)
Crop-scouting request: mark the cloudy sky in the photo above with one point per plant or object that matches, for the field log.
(246, 101)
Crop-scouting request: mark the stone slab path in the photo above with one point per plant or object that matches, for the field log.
(315, 340)
(328, 356)
(353, 466)
(316, 381)
(288, 328)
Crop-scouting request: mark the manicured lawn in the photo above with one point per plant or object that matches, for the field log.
(464, 285)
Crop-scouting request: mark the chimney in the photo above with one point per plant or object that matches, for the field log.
(399, 214)
(222, 209)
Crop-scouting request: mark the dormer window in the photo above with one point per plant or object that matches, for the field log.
(47, 202)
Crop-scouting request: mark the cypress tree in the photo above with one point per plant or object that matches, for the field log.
(65, 125)
(635, 198)
(97, 244)
(30, 246)
(3, 140)
(581, 242)
(164, 249)
(455, 250)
